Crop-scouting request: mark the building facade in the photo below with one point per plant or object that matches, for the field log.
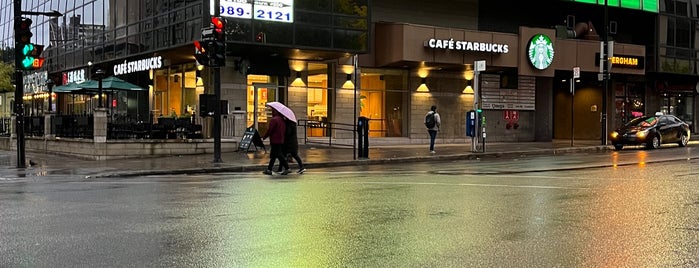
(332, 61)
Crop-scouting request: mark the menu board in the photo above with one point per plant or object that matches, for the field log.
(250, 137)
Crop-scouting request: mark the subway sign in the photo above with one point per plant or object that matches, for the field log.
(624, 61)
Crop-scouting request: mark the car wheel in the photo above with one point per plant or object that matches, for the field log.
(683, 140)
(618, 147)
(654, 143)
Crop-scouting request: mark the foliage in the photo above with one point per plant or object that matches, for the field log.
(6, 73)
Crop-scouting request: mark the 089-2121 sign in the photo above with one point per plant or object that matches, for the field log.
(269, 10)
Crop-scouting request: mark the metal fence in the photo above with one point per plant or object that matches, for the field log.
(5, 126)
(72, 126)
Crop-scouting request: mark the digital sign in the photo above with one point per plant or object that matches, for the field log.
(269, 10)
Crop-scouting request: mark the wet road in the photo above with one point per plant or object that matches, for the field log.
(619, 209)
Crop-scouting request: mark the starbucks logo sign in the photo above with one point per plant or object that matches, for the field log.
(540, 51)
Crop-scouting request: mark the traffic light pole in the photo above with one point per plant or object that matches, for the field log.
(605, 74)
(216, 73)
(19, 93)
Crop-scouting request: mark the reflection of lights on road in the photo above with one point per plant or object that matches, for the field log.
(615, 159)
(642, 155)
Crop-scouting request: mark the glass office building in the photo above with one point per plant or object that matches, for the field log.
(149, 44)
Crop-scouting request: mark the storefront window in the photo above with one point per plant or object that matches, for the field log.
(317, 99)
(383, 99)
(629, 102)
(679, 105)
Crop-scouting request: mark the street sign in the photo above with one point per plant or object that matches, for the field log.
(480, 65)
(576, 72)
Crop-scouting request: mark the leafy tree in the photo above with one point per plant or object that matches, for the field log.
(6, 74)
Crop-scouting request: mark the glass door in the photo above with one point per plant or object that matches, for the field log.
(257, 111)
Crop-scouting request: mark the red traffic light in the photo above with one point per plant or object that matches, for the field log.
(219, 23)
(199, 47)
(261, 37)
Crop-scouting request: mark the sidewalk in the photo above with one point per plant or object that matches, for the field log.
(313, 157)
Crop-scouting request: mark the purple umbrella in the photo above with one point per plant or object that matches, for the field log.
(282, 109)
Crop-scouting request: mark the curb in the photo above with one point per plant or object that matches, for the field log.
(360, 162)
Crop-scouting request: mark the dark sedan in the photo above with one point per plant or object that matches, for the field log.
(651, 131)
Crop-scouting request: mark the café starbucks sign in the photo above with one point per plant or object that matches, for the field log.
(540, 51)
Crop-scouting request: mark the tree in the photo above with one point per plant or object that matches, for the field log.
(6, 74)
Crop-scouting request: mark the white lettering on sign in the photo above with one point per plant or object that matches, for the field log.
(77, 76)
(138, 66)
(451, 44)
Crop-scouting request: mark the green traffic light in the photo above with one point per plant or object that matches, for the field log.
(28, 62)
(27, 50)
(479, 111)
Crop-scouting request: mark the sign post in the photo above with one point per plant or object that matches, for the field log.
(480, 66)
(576, 75)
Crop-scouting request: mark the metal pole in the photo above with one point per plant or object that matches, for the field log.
(572, 111)
(356, 116)
(476, 105)
(605, 73)
(217, 99)
(19, 92)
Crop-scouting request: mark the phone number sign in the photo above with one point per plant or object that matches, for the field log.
(269, 10)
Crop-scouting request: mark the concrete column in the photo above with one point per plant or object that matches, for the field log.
(100, 125)
(13, 127)
(48, 132)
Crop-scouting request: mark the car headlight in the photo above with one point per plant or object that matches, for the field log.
(642, 134)
(614, 134)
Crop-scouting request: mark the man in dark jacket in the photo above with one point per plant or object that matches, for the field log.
(291, 145)
(275, 132)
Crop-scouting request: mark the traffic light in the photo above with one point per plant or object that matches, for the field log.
(28, 53)
(218, 48)
(261, 37)
(201, 52)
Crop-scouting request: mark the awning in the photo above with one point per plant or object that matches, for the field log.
(109, 83)
(67, 88)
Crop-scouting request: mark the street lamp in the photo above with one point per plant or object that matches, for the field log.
(49, 85)
(99, 74)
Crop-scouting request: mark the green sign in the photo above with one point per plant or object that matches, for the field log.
(645, 5)
(540, 51)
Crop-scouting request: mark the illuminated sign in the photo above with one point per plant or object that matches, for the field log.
(77, 76)
(540, 51)
(269, 10)
(624, 61)
(138, 65)
(451, 44)
(645, 5)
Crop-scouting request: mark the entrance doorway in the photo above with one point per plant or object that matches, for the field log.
(258, 96)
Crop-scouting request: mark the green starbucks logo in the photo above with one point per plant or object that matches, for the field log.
(540, 51)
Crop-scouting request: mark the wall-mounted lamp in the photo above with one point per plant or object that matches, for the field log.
(423, 86)
(468, 89)
(298, 82)
(348, 83)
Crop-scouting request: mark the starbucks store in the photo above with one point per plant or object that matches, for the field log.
(523, 85)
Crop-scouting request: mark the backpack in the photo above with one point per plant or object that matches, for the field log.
(429, 120)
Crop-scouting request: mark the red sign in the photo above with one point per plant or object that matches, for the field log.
(510, 115)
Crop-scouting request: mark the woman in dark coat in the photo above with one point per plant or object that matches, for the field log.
(291, 144)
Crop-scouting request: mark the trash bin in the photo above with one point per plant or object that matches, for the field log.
(363, 137)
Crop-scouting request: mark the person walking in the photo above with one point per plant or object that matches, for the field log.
(432, 122)
(291, 145)
(275, 132)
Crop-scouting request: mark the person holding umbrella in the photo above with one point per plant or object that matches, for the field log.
(275, 132)
(291, 142)
(291, 145)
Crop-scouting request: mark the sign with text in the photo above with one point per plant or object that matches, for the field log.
(269, 10)
(624, 61)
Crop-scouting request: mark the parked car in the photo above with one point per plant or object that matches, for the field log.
(651, 131)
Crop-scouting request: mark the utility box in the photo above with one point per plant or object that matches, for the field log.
(471, 117)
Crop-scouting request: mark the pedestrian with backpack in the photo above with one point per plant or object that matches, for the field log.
(432, 122)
